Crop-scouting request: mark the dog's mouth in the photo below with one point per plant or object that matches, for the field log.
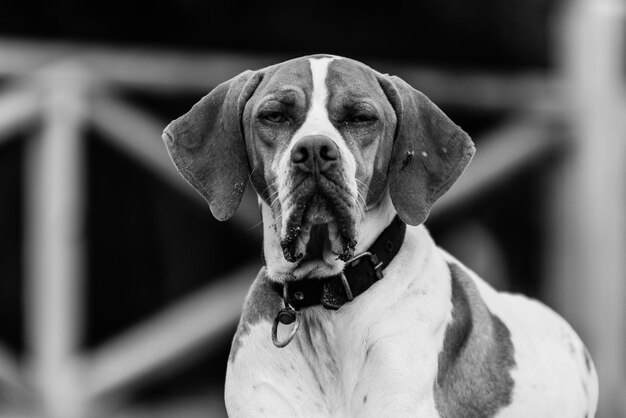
(318, 243)
(320, 224)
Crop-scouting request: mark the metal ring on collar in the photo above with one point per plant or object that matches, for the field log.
(292, 333)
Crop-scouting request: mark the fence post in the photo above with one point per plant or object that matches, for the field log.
(587, 267)
(54, 243)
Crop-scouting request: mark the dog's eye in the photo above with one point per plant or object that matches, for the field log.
(274, 117)
(363, 118)
(360, 118)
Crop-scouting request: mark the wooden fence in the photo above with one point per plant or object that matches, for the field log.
(66, 88)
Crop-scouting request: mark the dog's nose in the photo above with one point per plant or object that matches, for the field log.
(315, 152)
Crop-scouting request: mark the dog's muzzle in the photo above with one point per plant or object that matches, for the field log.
(322, 202)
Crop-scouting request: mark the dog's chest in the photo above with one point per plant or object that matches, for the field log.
(334, 370)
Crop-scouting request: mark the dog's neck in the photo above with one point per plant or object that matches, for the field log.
(334, 351)
(375, 219)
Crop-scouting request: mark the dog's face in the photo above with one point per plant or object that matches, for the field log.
(333, 149)
(319, 134)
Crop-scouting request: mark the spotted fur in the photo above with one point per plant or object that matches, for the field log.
(431, 339)
(474, 377)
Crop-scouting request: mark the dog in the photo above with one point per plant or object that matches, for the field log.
(356, 312)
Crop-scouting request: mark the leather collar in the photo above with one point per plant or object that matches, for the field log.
(358, 275)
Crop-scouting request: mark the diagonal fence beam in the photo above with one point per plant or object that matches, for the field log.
(500, 154)
(19, 107)
(138, 134)
(163, 341)
(484, 91)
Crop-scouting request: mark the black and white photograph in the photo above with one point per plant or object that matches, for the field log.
(214, 209)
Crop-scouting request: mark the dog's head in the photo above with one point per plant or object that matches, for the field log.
(333, 148)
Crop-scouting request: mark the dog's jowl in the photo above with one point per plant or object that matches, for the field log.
(356, 312)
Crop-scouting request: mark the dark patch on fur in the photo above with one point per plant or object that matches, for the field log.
(261, 304)
(207, 144)
(473, 380)
(364, 399)
(349, 84)
(422, 127)
(264, 141)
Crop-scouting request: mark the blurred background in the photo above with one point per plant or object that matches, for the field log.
(119, 293)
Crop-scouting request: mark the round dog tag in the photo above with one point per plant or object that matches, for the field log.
(287, 316)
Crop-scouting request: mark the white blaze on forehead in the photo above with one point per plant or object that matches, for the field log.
(317, 120)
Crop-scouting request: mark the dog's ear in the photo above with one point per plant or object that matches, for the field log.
(207, 144)
(429, 152)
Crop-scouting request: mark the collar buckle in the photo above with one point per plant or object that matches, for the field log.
(346, 287)
(377, 265)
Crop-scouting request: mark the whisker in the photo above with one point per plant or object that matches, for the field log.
(254, 226)
(367, 189)
(274, 201)
(360, 195)
(272, 195)
(361, 207)
(272, 184)
(250, 175)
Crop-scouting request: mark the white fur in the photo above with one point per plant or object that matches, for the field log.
(397, 378)
(376, 219)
